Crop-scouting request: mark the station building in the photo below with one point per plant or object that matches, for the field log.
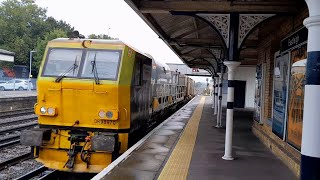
(6, 63)
(273, 46)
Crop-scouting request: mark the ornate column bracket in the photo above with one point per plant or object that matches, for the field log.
(221, 22)
(247, 22)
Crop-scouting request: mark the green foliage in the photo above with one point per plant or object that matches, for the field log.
(21, 22)
(24, 26)
(100, 36)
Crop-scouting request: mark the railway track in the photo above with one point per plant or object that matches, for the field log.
(13, 140)
(34, 173)
(18, 127)
(11, 127)
(18, 112)
(16, 121)
(54, 174)
(14, 160)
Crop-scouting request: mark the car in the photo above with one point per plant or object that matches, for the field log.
(17, 84)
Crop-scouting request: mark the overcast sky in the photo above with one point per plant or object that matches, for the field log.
(113, 17)
(97, 16)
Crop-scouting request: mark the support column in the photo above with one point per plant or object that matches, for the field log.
(232, 65)
(310, 147)
(213, 92)
(216, 95)
(219, 109)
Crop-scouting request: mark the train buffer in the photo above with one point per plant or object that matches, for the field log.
(188, 146)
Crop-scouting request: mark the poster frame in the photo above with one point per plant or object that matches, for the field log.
(276, 55)
(290, 52)
(261, 108)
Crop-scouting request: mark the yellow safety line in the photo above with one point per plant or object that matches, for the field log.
(177, 166)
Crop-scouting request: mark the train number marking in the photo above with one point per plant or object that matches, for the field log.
(107, 122)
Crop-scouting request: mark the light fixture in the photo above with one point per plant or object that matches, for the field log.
(43, 110)
(101, 114)
(51, 111)
(109, 114)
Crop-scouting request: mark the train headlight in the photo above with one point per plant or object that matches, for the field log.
(101, 114)
(43, 110)
(109, 114)
(51, 111)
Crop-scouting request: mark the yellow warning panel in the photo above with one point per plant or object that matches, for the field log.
(178, 163)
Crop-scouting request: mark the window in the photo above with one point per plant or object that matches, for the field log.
(107, 64)
(59, 61)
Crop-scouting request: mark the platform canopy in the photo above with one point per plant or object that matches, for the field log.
(203, 33)
(6, 55)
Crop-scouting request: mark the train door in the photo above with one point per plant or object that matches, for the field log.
(140, 100)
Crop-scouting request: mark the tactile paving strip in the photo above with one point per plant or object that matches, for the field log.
(178, 163)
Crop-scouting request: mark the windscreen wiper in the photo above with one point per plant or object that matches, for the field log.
(73, 67)
(94, 70)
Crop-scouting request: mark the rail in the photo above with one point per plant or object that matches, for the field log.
(15, 160)
(18, 112)
(9, 141)
(18, 128)
(33, 173)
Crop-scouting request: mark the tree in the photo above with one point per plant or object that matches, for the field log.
(52, 24)
(24, 26)
(100, 36)
(21, 23)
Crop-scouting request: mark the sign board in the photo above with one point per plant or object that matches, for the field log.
(294, 39)
(195, 69)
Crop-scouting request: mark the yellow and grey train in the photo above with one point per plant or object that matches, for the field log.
(93, 95)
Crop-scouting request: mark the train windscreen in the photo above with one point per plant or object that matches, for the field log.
(66, 62)
(60, 60)
(105, 62)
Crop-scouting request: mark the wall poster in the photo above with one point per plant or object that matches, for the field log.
(280, 91)
(258, 98)
(296, 96)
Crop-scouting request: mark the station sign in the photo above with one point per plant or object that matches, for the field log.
(195, 69)
(295, 39)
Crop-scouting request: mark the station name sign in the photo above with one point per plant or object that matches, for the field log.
(294, 39)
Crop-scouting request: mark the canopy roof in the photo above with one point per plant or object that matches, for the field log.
(199, 31)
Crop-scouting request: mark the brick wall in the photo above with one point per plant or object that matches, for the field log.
(270, 38)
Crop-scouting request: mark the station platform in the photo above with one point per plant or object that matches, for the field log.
(16, 100)
(188, 146)
(17, 94)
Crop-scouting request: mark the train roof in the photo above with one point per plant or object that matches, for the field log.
(98, 41)
(111, 41)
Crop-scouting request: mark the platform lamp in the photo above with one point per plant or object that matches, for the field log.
(29, 80)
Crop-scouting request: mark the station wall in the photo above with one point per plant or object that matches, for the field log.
(243, 73)
(263, 127)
